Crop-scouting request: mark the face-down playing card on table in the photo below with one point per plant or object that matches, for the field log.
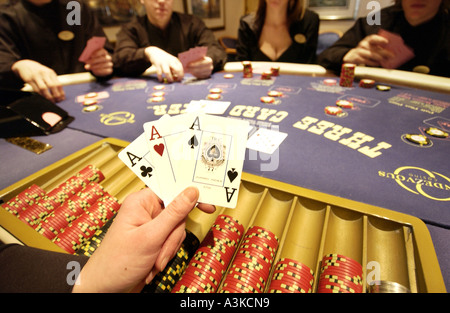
(196, 149)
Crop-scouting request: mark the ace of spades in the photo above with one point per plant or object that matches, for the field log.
(213, 157)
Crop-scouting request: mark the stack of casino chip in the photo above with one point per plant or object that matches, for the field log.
(89, 246)
(208, 264)
(340, 274)
(266, 75)
(275, 71)
(251, 266)
(24, 200)
(165, 281)
(53, 199)
(86, 224)
(291, 276)
(248, 70)
(347, 75)
(60, 218)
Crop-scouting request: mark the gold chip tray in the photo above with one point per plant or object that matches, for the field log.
(309, 224)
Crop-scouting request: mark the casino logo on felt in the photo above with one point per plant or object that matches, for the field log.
(420, 181)
(117, 118)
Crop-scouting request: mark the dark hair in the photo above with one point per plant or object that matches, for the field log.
(295, 11)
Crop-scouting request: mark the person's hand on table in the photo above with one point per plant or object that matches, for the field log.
(165, 64)
(142, 239)
(100, 63)
(370, 51)
(201, 69)
(41, 78)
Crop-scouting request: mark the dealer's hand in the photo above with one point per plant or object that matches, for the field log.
(201, 69)
(41, 78)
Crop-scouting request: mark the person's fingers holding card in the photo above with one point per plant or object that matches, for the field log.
(201, 68)
(92, 45)
(100, 63)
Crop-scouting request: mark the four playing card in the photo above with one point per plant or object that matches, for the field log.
(191, 149)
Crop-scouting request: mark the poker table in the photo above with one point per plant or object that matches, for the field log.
(366, 153)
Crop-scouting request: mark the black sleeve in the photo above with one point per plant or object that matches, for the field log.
(10, 50)
(312, 22)
(129, 54)
(246, 39)
(27, 269)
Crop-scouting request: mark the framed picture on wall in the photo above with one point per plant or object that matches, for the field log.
(334, 9)
(212, 12)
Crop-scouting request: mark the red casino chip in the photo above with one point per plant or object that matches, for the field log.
(303, 273)
(156, 99)
(275, 71)
(286, 287)
(344, 104)
(366, 83)
(247, 279)
(25, 199)
(214, 96)
(159, 87)
(267, 99)
(292, 264)
(215, 90)
(340, 259)
(267, 75)
(274, 93)
(158, 94)
(301, 282)
(339, 273)
(330, 82)
(332, 110)
(355, 286)
(330, 265)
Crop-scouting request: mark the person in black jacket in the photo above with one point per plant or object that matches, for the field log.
(423, 25)
(281, 31)
(143, 237)
(39, 40)
(157, 39)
